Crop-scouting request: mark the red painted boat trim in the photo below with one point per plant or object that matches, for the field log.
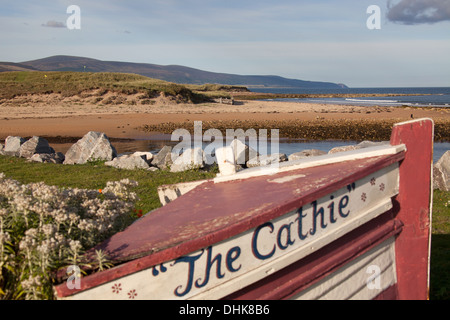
(390, 293)
(415, 195)
(313, 268)
(212, 213)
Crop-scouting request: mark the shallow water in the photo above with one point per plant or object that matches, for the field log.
(286, 146)
(289, 148)
(395, 101)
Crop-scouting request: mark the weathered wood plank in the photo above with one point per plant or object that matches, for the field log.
(414, 207)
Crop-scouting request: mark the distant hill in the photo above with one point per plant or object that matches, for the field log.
(10, 66)
(171, 73)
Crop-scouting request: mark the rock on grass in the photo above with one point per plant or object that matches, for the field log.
(93, 146)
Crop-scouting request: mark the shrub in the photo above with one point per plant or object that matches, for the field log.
(45, 228)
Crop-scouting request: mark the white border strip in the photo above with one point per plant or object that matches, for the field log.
(313, 162)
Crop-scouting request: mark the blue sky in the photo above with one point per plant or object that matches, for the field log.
(320, 40)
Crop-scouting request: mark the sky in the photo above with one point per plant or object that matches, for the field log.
(318, 40)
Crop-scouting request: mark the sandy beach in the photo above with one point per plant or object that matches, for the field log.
(47, 116)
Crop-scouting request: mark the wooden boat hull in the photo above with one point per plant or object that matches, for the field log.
(335, 227)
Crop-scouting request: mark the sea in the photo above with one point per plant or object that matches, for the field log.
(423, 97)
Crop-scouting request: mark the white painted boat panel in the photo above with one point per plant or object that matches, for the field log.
(362, 279)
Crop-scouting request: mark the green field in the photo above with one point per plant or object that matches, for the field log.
(95, 175)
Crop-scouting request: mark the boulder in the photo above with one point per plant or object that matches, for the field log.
(188, 160)
(48, 157)
(35, 145)
(12, 145)
(361, 145)
(306, 154)
(368, 144)
(163, 159)
(441, 173)
(147, 156)
(343, 149)
(264, 160)
(129, 162)
(93, 146)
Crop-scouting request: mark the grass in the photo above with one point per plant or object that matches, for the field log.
(95, 175)
(440, 247)
(76, 83)
(216, 90)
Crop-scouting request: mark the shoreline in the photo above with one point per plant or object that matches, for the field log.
(255, 95)
(58, 121)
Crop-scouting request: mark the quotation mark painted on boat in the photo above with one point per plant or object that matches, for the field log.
(74, 280)
(351, 187)
(374, 20)
(74, 20)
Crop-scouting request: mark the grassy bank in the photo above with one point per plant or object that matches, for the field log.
(95, 175)
(82, 83)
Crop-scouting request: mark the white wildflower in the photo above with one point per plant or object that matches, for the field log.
(86, 225)
(73, 218)
(75, 245)
(31, 283)
(4, 237)
(3, 212)
(44, 248)
(48, 229)
(32, 233)
(43, 192)
(21, 202)
(27, 243)
(59, 225)
(59, 215)
(60, 239)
